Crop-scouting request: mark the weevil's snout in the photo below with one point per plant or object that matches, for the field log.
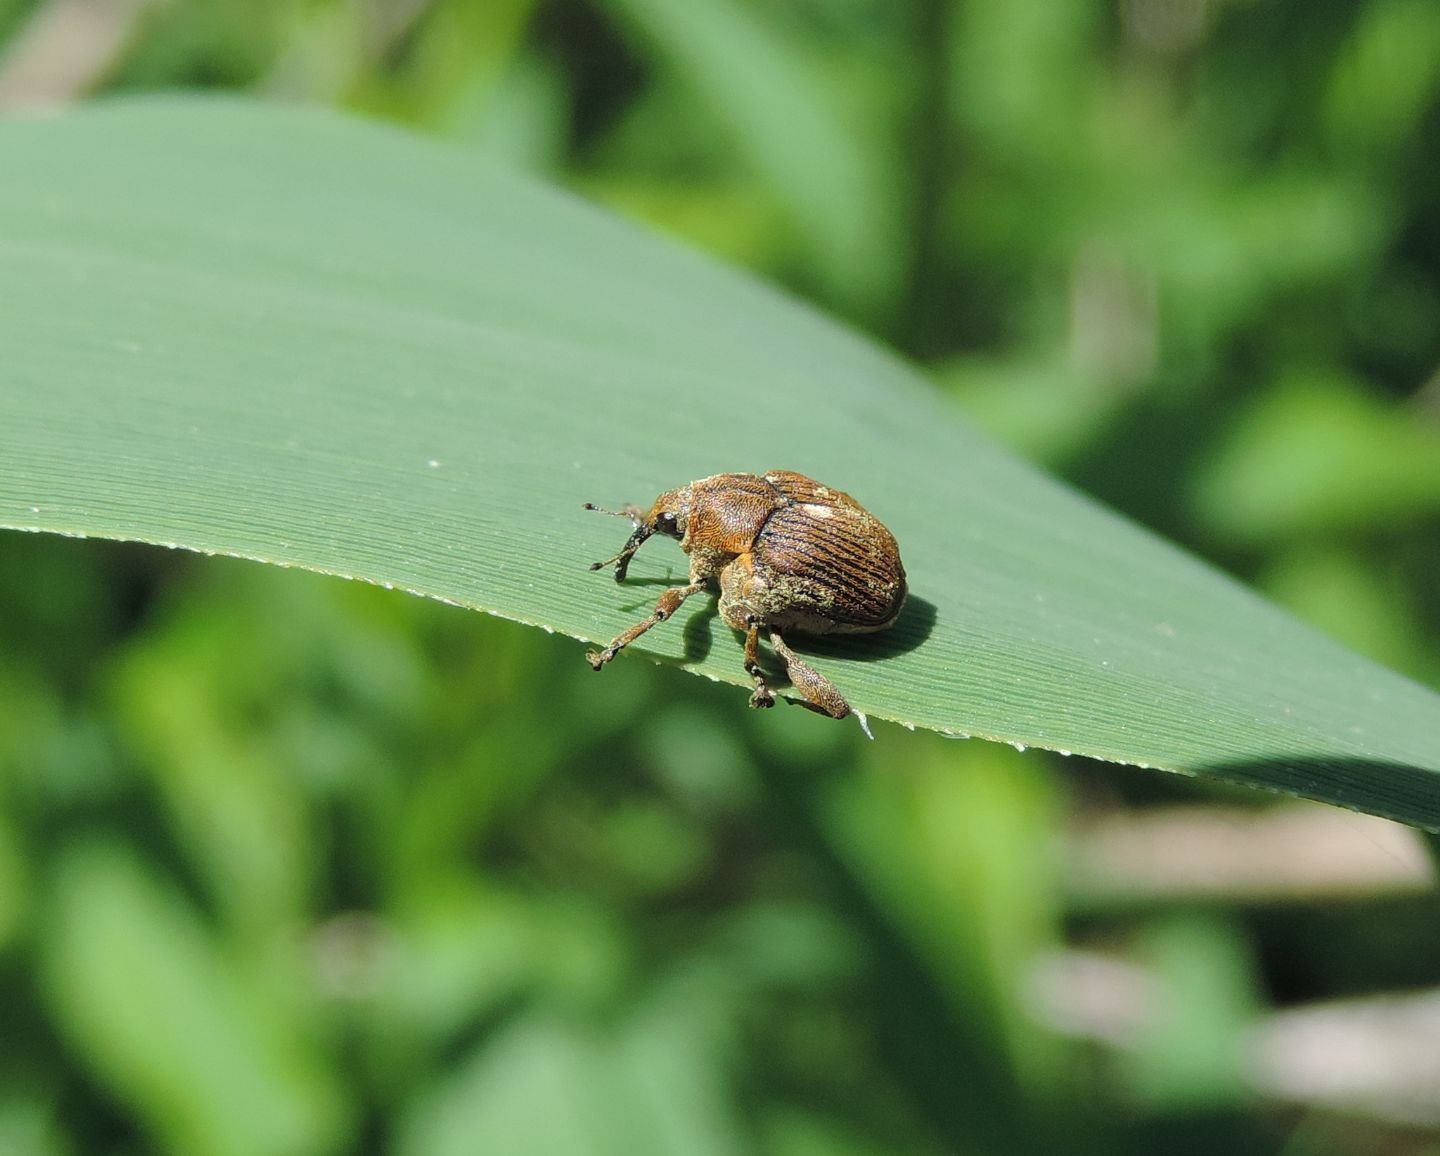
(621, 561)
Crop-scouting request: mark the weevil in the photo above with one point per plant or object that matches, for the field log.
(788, 554)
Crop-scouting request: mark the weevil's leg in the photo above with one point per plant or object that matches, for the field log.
(817, 691)
(668, 604)
(762, 696)
(735, 584)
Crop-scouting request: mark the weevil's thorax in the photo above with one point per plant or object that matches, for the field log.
(726, 514)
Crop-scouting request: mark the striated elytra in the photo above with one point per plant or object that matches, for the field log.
(789, 554)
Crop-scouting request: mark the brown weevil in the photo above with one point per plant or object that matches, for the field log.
(789, 555)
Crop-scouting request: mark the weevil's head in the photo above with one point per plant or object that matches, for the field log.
(670, 515)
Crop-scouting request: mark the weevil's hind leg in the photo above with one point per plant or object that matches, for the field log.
(762, 696)
(817, 691)
(668, 604)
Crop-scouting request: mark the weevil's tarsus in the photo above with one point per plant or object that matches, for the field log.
(762, 697)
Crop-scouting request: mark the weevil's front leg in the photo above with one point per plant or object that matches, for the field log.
(817, 691)
(762, 696)
(669, 603)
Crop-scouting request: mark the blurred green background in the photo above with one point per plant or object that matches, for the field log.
(290, 865)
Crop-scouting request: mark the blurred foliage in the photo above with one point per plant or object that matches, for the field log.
(290, 865)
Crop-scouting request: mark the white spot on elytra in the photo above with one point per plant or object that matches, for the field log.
(816, 511)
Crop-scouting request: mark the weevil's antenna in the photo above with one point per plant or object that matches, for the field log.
(631, 512)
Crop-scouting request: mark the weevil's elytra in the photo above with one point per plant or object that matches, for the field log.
(789, 555)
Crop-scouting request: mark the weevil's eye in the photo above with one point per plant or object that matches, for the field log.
(668, 525)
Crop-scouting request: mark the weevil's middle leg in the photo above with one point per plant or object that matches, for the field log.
(762, 696)
(817, 692)
(669, 603)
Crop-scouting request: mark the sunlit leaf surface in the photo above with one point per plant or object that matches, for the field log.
(300, 339)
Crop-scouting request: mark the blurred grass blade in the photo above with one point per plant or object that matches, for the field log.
(648, 1085)
(829, 175)
(161, 1016)
(1317, 454)
(294, 337)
